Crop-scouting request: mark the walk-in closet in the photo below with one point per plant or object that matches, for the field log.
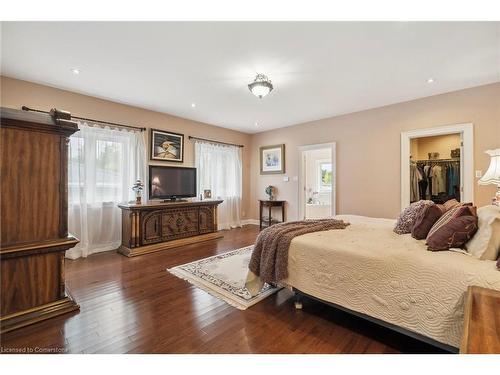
(435, 168)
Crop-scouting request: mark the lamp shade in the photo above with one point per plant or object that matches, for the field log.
(492, 175)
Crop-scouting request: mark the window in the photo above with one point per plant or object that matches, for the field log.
(218, 169)
(103, 165)
(97, 165)
(325, 175)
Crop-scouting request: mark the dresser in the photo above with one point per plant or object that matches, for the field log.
(34, 216)
(156, 226)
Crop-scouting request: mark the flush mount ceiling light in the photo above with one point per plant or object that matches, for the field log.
(75, 71)
(431, 80)
(261, 86)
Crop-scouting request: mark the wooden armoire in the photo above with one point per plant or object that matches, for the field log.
(34, 216)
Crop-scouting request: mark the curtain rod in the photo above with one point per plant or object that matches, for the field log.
(212, 141)
(24, 108)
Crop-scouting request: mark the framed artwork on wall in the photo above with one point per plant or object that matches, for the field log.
(166, 146)
(272, 159)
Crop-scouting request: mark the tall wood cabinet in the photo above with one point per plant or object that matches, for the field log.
(34, 216)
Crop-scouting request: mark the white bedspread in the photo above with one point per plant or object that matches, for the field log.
(370, 269)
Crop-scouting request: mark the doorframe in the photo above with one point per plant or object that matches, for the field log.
(466, 132)
(302, 201)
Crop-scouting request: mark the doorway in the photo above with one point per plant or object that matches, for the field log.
(317, 181)
(436, 164)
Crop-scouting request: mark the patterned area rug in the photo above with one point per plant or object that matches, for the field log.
(224, 276)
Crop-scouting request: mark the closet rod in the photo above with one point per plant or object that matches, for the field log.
(436, 160)
(212, 141)
(24, 108)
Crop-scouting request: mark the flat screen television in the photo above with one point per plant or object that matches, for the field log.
(171, 182)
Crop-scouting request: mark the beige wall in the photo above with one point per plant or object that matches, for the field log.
(443, 144)
(368, 142)
(368, 149)
(16, 93)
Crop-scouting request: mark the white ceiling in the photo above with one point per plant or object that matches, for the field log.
(319, 69)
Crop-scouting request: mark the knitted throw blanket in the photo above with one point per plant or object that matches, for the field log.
(269, 258)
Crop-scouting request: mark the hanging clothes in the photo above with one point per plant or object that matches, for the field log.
(427, 173)
(451, 179)
(438, 175)
(438, 180)
(415, 177)
(422, 183)
(455, 180)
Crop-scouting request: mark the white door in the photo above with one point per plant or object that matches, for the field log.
(317, 181)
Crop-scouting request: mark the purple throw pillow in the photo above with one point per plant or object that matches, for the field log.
(452, 203)
(453, 233)
(407, 218)
(425, 220)
(461, 210)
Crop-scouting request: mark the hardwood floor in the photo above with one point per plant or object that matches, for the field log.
(133, 305)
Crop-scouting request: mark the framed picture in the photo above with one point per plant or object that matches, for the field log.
(207, 194)
(167, 146)
(272, 159)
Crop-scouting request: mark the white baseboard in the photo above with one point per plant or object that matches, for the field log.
(250, 222)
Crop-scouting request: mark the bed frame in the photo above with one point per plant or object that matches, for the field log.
(298, 305)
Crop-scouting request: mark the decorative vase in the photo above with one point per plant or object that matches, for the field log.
(269, 191)
(137, 188)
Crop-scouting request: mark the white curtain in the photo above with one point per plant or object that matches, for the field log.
(103, 165)
(219, 169)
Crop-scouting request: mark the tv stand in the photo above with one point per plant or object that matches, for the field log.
(156, 226)
(173, 200)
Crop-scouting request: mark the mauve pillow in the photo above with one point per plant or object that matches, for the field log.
(455, 233)
(441, 207)
(425, 220)
(407, 218)
(452, 203)
(460, 210)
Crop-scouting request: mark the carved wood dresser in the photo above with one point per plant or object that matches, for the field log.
(34, 216)
(156, 226)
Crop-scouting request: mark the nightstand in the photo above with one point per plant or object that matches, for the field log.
(481, 333)
(268, 220)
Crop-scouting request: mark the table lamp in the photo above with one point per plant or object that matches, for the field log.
(492, 175)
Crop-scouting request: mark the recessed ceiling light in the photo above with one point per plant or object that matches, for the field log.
(193, 105)
(75, 71)
(430, 80)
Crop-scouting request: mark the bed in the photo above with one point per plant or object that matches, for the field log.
(369, 270)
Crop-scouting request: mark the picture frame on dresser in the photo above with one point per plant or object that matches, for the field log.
(166, 146)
